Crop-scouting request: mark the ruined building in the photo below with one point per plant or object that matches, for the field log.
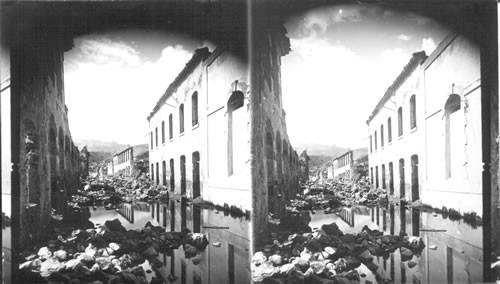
(84, 162)
(350, 166)
(304, 166)
(45, 161)
(425, 133)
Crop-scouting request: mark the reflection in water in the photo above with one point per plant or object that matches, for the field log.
(225, 262)
(453, 256)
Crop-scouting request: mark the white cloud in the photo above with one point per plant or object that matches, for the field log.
(428, 45)
(110, 89)
(403, 37)
(329, 90)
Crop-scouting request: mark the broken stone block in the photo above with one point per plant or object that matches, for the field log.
(406, 254)
(44, 253)
(332, 229)
(258, 258)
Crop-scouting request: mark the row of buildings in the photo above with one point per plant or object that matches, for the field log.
(426, 133)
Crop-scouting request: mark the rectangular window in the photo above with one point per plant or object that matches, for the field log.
(151, 135)
(400, 121)
(156, 136)
(194, 108)
(375, 138)
(163, 132)
(383, 176)
(413, 114)
(382, 135)
(371, 149)
(170, 127)
(181, 119)
(389, 130)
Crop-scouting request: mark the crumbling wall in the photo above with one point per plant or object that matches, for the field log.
(304, 166)
(274, 161)
(48, 159)
(84, 162)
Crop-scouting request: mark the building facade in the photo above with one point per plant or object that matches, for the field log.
(425, 133)
(342, 166)
(395, 128)
(122, 163)
(453, 134)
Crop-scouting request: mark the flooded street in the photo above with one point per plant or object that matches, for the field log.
(225, 260)
(453, 249)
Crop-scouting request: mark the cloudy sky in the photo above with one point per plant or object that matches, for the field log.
(343, 59)
(114, 79)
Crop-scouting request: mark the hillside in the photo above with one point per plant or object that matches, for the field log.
(94, 145)
(321, 150)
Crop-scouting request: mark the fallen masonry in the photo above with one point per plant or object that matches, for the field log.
(327, 255)
(332, 195)
(108, 253)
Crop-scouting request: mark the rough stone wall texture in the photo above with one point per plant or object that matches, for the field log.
(48, 159)
(84, 162)
(304, 166)
(274, 170)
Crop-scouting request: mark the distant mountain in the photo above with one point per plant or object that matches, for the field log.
(94, 145)
(321, 150)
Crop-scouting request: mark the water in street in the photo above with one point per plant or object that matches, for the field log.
(226, 258)
(453, 254)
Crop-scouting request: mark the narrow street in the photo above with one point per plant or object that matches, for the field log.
(371, 240)
(265, 142)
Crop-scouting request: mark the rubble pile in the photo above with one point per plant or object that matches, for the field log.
(111, 192)
(332, 195)
(109, 254)
(327, 255)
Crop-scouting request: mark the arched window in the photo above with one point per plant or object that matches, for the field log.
(170, 127)
(453, 135)
(371, 149)
(389, 130)
(164, 173)
(152, 172)
(163, 132)
(156, 136)
(183, 174)
(400, 121)
(181, 118)
(382, 135)
(413, 112)
(194, 108)
(235, 124)
(172, 177)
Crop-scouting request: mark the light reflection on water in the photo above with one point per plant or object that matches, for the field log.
(227, 263)
(453, 256)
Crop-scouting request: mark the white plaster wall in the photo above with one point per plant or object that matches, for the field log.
(458, 65)
(401, 147)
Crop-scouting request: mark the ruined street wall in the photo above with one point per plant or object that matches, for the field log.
(274, 161)
(454, 70)
(48, 158)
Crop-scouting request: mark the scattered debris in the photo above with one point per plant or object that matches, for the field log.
(328, 254)
(108, 253)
